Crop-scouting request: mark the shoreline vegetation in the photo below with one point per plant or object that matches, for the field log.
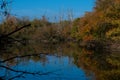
(99, 29)
(91, 41)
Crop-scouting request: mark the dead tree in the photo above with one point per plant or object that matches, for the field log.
(5, 8)
(5, 12)
(6, 39)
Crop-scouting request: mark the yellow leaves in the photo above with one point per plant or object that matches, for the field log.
(86, 52)
(113, 62)
(88, 38)
(113, 34)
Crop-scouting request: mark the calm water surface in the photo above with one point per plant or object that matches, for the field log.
(53, 68)
(56, 62)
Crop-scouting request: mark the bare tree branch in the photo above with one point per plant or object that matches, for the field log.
(23, 56)
(6, 35)
(26, 72)
(17, 76)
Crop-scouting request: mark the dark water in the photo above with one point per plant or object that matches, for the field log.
(58, 62)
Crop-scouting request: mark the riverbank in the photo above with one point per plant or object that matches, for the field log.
(105, 45)
(101, 45)
(114, 46)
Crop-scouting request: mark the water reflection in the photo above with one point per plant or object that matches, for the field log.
(104, 65)
(48, 68)
(65, 61)
(40, 62)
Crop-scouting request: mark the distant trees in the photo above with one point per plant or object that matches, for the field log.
(102, 23)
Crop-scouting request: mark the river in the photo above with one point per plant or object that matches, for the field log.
(65, 61)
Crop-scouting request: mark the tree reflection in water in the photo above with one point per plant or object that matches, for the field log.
(98, 65)
(21, 73)
(104, 65)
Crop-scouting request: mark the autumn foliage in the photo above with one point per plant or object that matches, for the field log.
(102, 23)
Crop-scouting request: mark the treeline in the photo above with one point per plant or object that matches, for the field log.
(103, 23)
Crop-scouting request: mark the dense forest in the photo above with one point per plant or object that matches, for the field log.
(102, 24)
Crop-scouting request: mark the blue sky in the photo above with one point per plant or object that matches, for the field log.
(51, 8)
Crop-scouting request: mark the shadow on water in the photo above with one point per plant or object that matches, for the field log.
(104, 65)
(64, 61)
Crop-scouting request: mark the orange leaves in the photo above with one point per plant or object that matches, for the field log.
(88, 38)
(87, 52)
(95, 25)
